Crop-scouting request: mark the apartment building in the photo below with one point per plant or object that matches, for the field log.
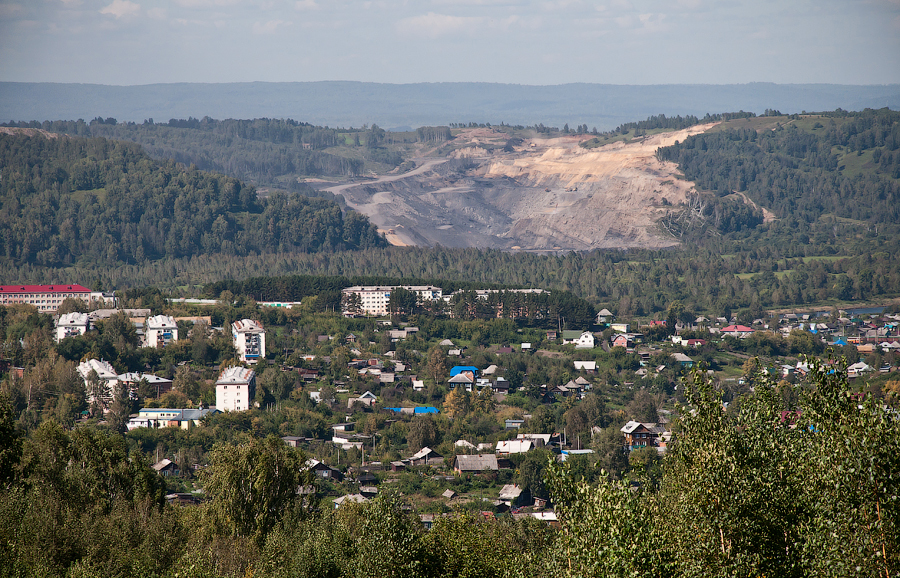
(160, 330)
(235, 389)
(48, 298)
(72, 324)
(249, 340)
(373, 299)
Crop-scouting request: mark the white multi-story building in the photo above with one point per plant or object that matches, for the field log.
(108, 379)
(373, 299)
(72, 324)
(235, 389)
(48, 298)
(249, 340)
(160, 330)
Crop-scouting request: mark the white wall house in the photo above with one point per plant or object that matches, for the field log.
(582, 340)
(71, 324)
(161, 330)
(235, 389)
(249, 340)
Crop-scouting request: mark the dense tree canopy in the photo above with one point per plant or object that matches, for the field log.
(71, 199)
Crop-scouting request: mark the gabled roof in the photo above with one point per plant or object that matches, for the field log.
(515, 446)
(358, 498)
(161, 465)
(424, 453)
(633, 426)
(476, 463)
(510, 492)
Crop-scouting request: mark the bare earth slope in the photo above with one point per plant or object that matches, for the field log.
(548, 195)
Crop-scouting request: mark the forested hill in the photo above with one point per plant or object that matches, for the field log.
(66, 200)
(841, 165)
(259, 150)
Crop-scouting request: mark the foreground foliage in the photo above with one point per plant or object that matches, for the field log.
(789, 481)
(769, 490)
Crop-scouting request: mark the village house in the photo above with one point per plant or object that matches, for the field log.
(426, 456)
(324, 471)
(581, 339)
(640, 435)
(589, 366)
(475, 464)
(157, 417)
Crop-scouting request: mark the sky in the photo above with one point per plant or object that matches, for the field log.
(132, 42)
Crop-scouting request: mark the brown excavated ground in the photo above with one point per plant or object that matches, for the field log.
(548, 195)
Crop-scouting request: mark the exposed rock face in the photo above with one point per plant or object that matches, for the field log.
(548, 195)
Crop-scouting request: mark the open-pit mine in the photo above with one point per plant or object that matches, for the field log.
(543, 195)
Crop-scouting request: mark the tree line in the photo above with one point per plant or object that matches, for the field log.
(796, 172)
(72, 199)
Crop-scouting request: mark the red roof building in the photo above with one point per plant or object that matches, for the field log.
(47, 298)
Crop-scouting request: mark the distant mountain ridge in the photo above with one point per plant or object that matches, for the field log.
(347, 103)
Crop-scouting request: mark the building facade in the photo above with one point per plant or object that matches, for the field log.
(48, 298)
(72, 324)
(161, 330)
(235, 389)
(249, 340)
(373, 299)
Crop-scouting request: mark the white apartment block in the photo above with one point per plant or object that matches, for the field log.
(48, 298)
(249, 340)
(72, 324)
(107, 376)
(374, 299)
(160, 330)
(235, 389)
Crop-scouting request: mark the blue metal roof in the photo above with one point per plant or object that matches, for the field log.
(461, 368)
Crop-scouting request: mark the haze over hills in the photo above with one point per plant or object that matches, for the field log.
(344, 103)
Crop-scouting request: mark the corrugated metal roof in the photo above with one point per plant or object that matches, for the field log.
(43, 289)
(476, 463)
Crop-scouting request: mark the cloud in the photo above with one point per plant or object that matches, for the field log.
(157, 13)
(478, 2)
(11, 10)
(434, 25)
(206, 3)
(121, 9)
(269, 27)
(305, 5)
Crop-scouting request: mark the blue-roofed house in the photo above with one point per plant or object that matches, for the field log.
(456, 370)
